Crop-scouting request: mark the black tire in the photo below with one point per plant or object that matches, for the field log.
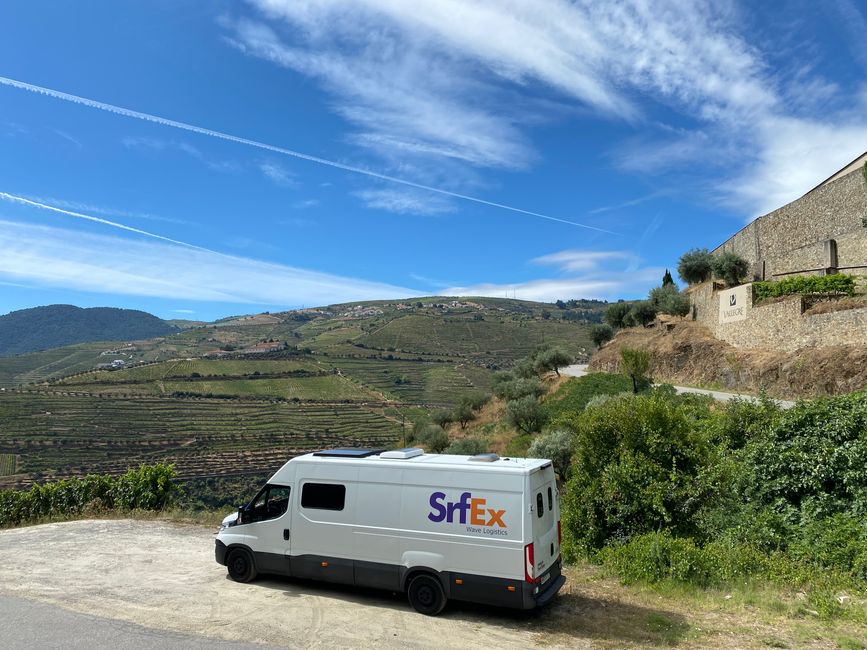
(240, 565)
(426, 595)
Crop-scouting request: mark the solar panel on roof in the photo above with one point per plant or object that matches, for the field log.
(348, 453)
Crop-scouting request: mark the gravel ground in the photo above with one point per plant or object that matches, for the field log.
(163, 576)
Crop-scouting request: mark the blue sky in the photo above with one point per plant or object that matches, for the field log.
(655, 126)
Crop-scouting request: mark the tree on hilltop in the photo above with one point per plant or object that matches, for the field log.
(730, 267)
(695, 266)
(667, 279)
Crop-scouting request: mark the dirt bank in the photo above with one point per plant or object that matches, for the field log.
(688, 353)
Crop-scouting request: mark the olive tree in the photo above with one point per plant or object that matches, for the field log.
(695, 266)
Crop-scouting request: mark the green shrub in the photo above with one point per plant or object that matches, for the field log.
(468, 447)
(634, 363)
(433, 438)
(552, 359)
(526, 414)
(634, 470)
(829, 285)
(642, 313)
(730, 267)
(601, 334)
(518, 388)
(557, 446)
(810, 463)
(150, 487)
(695, 266)
(616, 314)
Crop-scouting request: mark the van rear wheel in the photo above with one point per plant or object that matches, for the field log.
(426, 595)
(240, 565)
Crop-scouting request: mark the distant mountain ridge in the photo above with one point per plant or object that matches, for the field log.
(52, 326)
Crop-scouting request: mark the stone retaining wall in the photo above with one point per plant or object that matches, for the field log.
(780, 325)
(792, 239)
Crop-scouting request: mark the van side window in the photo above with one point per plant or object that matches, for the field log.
(540, 504)
(323, 496)
(550, 499)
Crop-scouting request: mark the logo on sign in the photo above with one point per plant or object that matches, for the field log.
(733, 300)
(466, 510)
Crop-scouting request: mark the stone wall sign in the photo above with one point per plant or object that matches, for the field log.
(733, 305)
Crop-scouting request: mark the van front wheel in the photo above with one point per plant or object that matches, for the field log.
(426, 595)
(240, 566)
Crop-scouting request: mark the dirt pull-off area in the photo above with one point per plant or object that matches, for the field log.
(163, 576)
(688, 353)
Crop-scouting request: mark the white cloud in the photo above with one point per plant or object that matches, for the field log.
(55, 257)
(586, 274)
(184, 311)
(608, 287)
(159, 145)
(404, 202)
(794, 156)
(278, 174)
(427, 79)
(578, 260)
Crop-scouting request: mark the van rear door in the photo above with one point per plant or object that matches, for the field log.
(546, 522)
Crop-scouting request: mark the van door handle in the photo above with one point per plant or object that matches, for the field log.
(285, 533)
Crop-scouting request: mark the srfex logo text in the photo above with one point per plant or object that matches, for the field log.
(479, 515)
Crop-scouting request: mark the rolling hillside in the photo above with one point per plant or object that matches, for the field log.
(239, 396)
(43, 328)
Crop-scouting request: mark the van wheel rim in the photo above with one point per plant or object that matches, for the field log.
(239, 565)
(426, 596)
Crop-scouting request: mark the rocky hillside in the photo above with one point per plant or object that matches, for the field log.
(687, 353)
(41, 328)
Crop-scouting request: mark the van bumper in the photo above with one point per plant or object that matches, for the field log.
(540, 595)
(220, 552)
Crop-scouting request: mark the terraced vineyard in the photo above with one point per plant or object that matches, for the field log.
(57, 435)
(241, 396)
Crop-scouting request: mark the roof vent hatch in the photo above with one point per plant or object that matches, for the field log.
(402, 454)
(484, 458)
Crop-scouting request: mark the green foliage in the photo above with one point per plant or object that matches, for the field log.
(574, 394)
(641, 313)
(463, 413)
(730, 267)
(837, 284)
(467, 447)
(442, 417)
(667, 279)
(695, 266)
(552, 359)
(601, 334)
(518, 388)
(433, 438)
(555, 446)
(667, 299)
(635, 363)
(811, 463)
(616, 314)
(150, 487)
(635, 470)
(526, 414)
(664, 488)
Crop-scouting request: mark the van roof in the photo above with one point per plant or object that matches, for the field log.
(431, 461)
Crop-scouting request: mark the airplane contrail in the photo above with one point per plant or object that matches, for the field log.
(5, 196)
(126, 112)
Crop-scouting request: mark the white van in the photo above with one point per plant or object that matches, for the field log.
(475, 528)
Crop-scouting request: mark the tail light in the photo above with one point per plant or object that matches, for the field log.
(559, 534)
(529, 564)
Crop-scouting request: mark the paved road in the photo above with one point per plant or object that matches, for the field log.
(579, 370)
(27, 624)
